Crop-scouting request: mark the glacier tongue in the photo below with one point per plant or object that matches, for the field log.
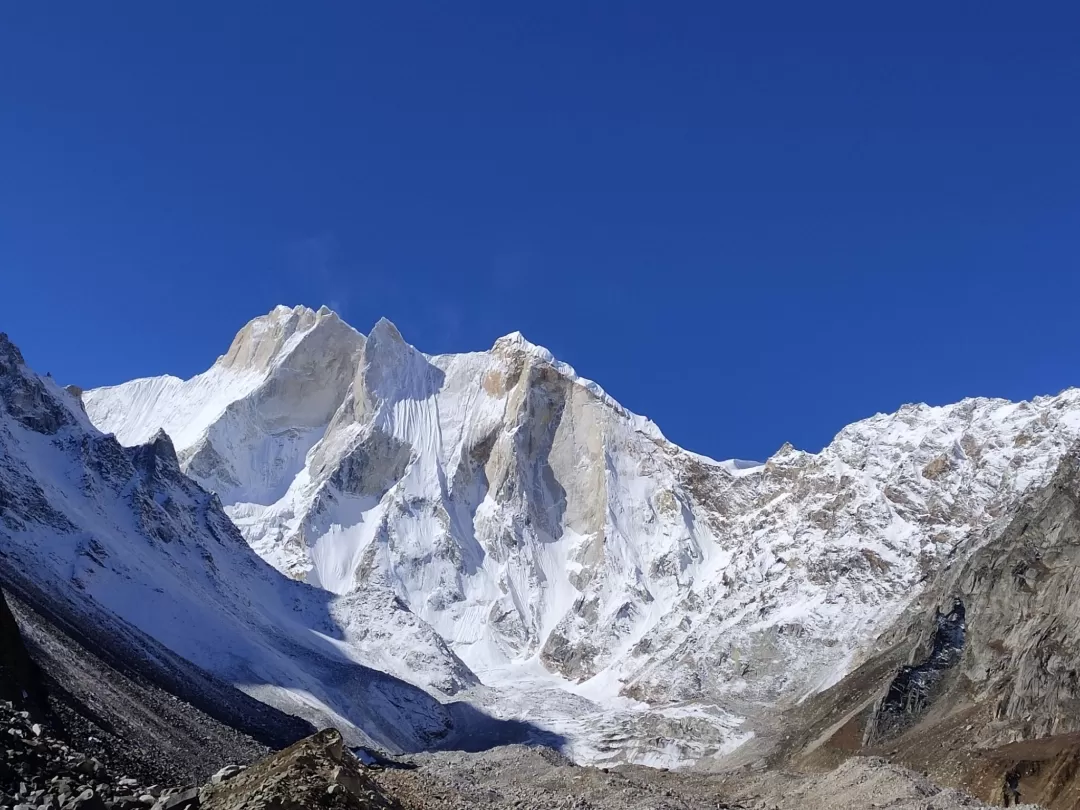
(555, 540)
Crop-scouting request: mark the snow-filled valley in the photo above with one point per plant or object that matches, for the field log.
(493, 531)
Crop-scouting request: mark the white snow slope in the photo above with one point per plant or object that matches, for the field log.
(598, 579)
(85, 519)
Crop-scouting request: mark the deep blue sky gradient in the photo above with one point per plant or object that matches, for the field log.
(753, 226)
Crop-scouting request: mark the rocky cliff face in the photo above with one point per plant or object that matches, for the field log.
(976, 682)
(537, 526)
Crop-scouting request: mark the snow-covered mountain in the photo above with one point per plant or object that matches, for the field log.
(122, 535)
(551, 537)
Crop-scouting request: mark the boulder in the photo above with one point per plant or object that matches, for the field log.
(315, 772)
(184, 800)
(228, 772)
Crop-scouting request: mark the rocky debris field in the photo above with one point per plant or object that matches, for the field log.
(316, 772)
(523, 778)
(127, 701)
(40, 772)
(106, 740)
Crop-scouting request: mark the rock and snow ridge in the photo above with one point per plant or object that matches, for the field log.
(559, 544)
(124, 535)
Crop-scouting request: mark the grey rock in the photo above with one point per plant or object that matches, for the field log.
(228, 772)
(87, 800)
(181, 801)
(983, 663)
(91, 767)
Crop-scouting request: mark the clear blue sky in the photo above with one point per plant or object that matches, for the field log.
(753, 225)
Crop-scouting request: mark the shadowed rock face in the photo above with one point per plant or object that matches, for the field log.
(1023, 619)
(21, 681)
(915, 686)
(27, 399)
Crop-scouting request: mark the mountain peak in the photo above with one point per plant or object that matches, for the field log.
(515, 341)
(164, 442)
(10, 352)
(267, 337)
(384, 329)
(515, 338)
(158, 453)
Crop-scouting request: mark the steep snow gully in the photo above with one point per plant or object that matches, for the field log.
(491, 526)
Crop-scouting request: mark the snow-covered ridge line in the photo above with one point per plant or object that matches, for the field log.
(125, 532)
(550, 536)
(641, 423)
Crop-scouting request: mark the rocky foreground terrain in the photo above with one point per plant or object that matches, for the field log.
(46, 731)
(537, 778)
(41, 771)
(63, 748)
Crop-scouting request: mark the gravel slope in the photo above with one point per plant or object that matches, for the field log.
(139, 709)
(540, 779)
